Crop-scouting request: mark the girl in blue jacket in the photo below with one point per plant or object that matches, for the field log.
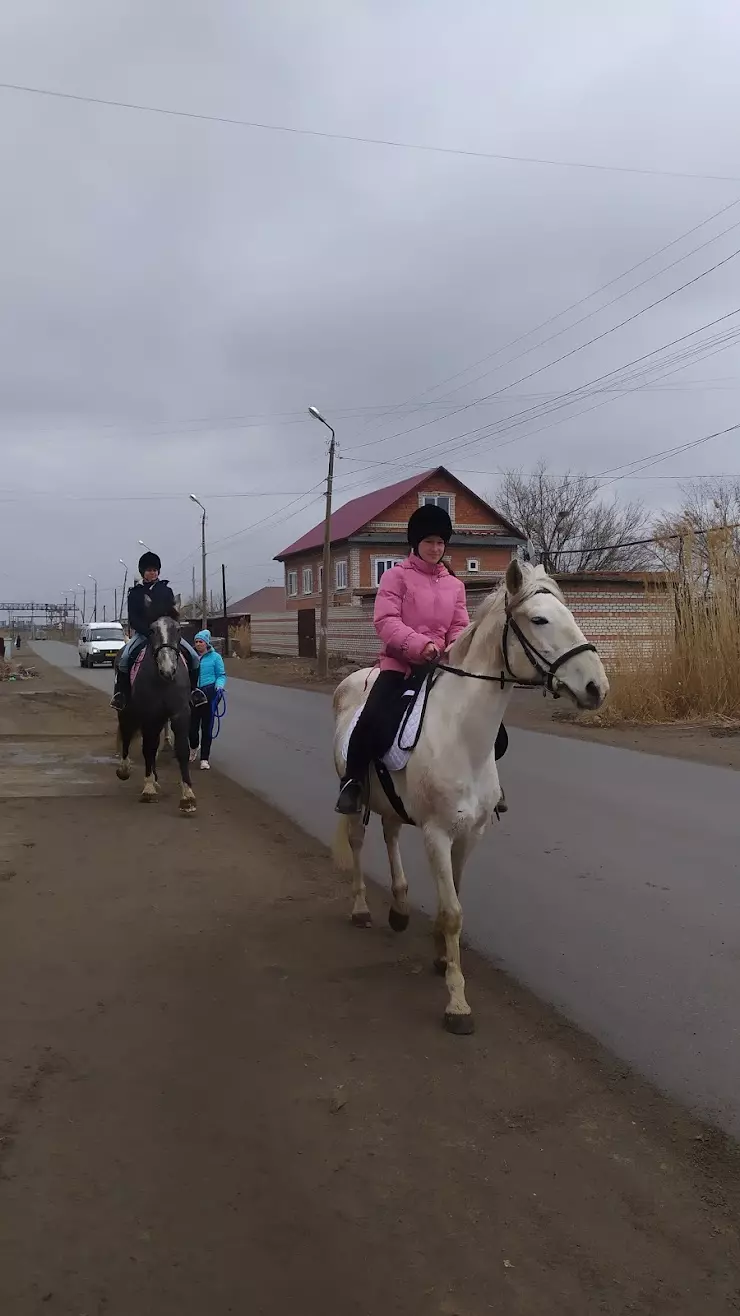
(211, 679)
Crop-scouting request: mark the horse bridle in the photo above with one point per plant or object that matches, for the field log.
(547, 670)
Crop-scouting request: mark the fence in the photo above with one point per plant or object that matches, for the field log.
(616, 615)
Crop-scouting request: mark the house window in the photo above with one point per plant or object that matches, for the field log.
(381, 564)
(473, 564)
(341, 574)
(438, 500)
(308, 580)
(292, 584)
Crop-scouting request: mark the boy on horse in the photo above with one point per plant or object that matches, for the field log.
(149, 600)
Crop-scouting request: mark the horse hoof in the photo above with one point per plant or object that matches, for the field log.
(399, 922)
(362, 920)
(152, 798)
(440, 967)
(461, 1025)
(123, 774)
(188, 807)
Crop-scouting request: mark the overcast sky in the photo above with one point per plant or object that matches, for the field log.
(176, 292)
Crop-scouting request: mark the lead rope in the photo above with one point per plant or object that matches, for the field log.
(218, 711)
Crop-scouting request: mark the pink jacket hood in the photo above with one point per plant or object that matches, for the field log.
(417, 603)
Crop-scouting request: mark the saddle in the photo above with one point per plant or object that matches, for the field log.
(138, 660)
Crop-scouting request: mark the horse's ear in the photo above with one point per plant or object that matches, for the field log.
(514, 577)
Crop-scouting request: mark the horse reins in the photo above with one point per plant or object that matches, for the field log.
(538, 660)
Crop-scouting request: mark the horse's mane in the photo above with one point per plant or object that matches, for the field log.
(493, 607)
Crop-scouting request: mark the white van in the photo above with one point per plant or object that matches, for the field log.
(99, 642)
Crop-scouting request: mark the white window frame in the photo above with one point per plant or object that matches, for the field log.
(427, 499)
(292, 584)
(473, 565)
(307, 581)
(386, 563)
(320, 578)
(341, 574)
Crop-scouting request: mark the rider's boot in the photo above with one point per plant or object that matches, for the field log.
(121, 691)
(350, 797)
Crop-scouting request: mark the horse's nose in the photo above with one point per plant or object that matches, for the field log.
(594, 692)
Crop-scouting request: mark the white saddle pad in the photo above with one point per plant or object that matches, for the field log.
(399, 753)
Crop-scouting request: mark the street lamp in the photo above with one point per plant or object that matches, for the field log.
(95, 602)
(323, 656)
(203, 610)
(84, 600)
(123, 589)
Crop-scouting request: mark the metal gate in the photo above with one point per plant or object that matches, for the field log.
(306, 633)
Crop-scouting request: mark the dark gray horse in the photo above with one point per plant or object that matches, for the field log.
(160, 694)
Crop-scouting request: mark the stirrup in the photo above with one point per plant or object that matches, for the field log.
(118, 701)
(350, 798)
(197, 698)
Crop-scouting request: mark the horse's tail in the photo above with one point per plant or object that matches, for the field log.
(341, 848)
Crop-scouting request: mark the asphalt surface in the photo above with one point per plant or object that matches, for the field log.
(612, 888)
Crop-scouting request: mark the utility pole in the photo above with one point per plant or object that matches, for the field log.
(192, 596)
(115, 605)
(226, 616)
(84, 603)
(104, 618)
(323, 655)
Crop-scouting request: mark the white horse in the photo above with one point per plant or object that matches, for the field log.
(522, 634)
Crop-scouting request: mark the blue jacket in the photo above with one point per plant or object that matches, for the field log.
(211, 670)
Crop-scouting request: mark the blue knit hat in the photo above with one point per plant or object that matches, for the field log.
(205, 636)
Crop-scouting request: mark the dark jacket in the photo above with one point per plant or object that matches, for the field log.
(147, 603)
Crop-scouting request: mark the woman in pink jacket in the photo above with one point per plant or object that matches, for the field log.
(419, 610)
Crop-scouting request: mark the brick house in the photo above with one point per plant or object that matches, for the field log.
(368, 535)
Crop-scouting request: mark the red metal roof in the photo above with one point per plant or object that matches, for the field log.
(353, 516)
(350, 519)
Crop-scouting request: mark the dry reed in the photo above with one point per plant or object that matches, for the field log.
(692, 672)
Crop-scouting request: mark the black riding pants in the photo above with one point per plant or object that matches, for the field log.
(380, 719)
(201, 723)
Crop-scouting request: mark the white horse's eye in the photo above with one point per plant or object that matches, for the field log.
(540, 621)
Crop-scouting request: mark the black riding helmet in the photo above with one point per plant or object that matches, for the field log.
(149, 562)
(428, 521)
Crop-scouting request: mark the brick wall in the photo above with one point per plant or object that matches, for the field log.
(466, 508)
(314, 561)
(622, 619)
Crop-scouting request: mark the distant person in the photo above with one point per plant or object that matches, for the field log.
(211, 680)
(17, 641)
(2, 646)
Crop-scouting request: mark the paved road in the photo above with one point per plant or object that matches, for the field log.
(612, 889)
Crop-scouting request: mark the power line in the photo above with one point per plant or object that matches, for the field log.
(367, 141)
(573, 306)
(480, 433)
(573, 351)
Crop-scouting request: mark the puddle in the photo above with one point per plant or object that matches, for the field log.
(54, 768)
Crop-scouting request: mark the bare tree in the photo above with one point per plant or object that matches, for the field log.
(703, 534)
(569, 526)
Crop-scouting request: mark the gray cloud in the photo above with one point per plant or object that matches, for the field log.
(161, 277)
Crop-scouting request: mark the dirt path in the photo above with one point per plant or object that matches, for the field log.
(216, 1097)
(530, 712)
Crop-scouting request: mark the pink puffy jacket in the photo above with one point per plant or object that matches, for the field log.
(417, 603)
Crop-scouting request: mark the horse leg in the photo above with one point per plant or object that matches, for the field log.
(460, 851)
(149, 745)
(123, 745)
(168, 734)
(398, 914)
(458, 1016)
(180, 731)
